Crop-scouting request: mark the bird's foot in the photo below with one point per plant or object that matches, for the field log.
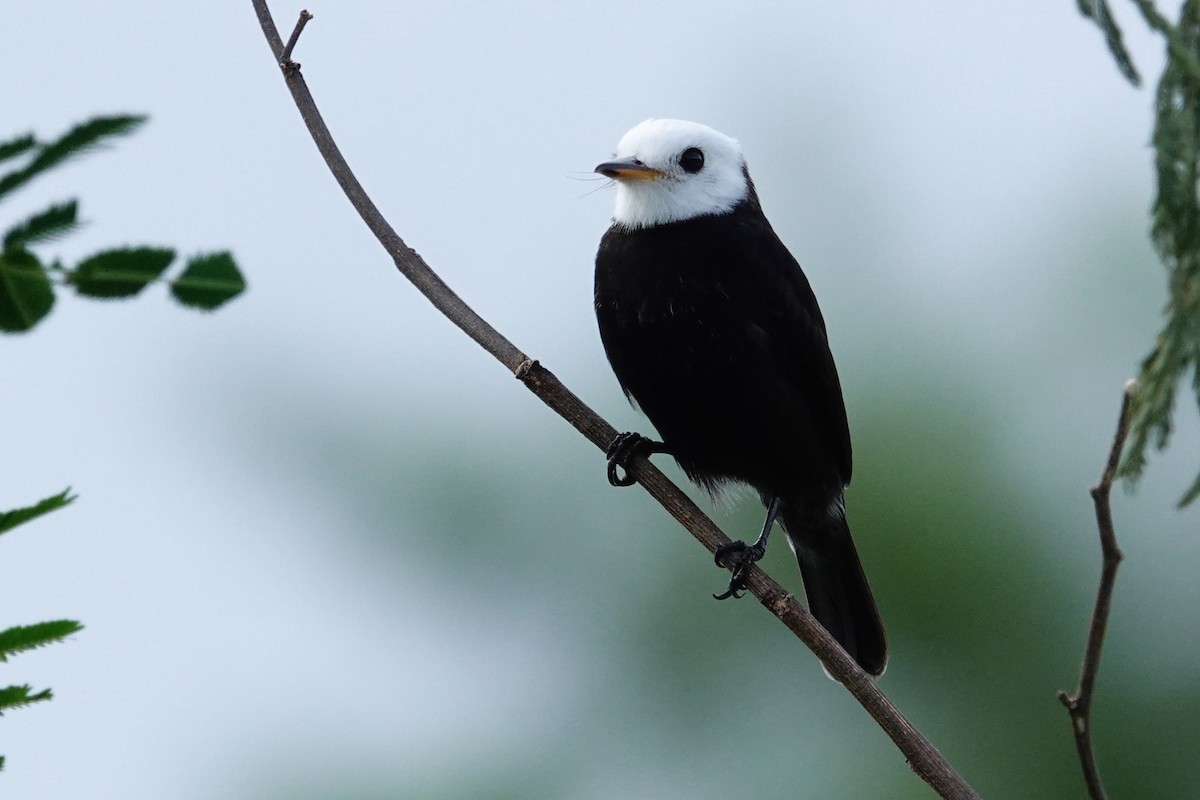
(737, 557)
(624, 447)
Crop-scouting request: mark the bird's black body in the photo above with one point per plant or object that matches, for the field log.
(713, 330)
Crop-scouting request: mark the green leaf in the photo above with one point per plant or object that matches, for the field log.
(25, 291)
(208, 282)
(29, 637)
(19, 516)
(16, 146)
(55, 221)
(1175, 232)
(80, 139)
(17, 696)
(122, 272)
(1099, 12)
(1191, 494)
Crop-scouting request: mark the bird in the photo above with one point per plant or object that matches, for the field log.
(714, 333)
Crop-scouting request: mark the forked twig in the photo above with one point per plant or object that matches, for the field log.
(1079, 705)
(921, 755)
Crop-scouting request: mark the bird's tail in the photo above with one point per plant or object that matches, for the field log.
(837, 590)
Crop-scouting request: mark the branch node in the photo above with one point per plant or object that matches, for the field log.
(523, 369)
(779, 601)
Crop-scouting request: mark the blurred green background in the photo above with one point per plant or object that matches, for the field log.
(325, 548)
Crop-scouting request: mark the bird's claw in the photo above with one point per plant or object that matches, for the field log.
(737, 557)
(624, 447)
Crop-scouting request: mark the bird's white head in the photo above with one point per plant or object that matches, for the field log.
(669, 170)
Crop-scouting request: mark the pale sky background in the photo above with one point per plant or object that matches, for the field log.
(947, 173)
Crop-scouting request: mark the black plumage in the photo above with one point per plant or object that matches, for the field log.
(713, 330)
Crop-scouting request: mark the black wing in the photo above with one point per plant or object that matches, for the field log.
(782, 306)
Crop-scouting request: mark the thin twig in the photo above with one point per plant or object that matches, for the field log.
(285, 58)
(1079, 705)
(921, 755)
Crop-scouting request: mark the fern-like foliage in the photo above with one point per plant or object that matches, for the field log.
(27, 284)
(21, 638)
(16, 146)
(18, 516)
(1099, 12)
(1175, 225)
(1176, 235)
(17, 696)
(81, 139)
(57, 220)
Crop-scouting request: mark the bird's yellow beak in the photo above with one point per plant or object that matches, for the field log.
(628, 169)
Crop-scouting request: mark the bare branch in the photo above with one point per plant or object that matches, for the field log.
(921, 755)
(1079, 705)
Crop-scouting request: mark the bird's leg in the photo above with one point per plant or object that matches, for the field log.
(738, 556)
(624, 447)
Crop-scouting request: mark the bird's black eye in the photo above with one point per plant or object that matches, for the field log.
(692, 160)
